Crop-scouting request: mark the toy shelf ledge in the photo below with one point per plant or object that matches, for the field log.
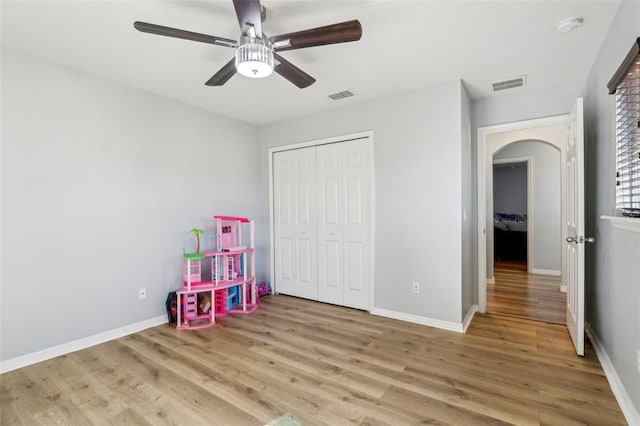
(251, 307)
(207, 321)
(226, 253)
(210, 285)
(239, 219)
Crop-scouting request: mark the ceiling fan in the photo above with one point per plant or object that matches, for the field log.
(256, 53)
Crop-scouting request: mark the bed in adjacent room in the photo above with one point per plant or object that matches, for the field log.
(510, 236)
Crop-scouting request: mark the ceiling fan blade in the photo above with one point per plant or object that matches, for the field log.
(186, 35)
(330, 34)
(292, 73)
(225, 73)
(248, 12)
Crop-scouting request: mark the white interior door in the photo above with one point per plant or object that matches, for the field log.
(330, 224)
(306, 242)
(294, 203)
(357, 202)
(343, 223)
(575, 240)
(284, 222)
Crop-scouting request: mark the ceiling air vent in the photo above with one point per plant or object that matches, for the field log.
(512, 83)
(341, 95)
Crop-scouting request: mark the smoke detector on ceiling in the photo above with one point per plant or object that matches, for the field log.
(511, 83)
(569, 24)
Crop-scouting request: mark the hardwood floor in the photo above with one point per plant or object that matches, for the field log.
(325, 365)
(524, 295)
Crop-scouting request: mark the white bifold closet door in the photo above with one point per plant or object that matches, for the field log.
(331, 207)
(295, 223)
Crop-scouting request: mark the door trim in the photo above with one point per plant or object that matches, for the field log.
(334, 139)
(482, 163)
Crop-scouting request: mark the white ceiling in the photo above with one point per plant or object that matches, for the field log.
(405, 45)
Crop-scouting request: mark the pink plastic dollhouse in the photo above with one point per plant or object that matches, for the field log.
(232, 284)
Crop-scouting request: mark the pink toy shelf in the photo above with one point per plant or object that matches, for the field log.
(231, 286)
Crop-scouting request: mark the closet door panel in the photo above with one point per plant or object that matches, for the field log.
(330, 224)
(285, 265)
(284, 224)
(356, 199)
(355, 267)
(306, 242)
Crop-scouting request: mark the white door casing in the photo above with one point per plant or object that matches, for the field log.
(575, 241)
(549, 129)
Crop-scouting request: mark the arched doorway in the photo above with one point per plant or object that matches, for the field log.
(494, 141)
(524, 249)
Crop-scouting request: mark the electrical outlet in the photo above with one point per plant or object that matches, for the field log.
(142, 293)
(416, 288)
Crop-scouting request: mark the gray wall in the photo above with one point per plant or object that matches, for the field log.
(100, 185)
(417, 160)
(613, 267)
(468, 273)
(510, 188)
(546, 219)
(525, 104)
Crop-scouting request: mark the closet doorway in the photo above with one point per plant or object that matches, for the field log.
(321, 197)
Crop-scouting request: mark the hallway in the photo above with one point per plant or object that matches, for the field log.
(519, 294)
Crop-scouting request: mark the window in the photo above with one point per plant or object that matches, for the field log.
(625, 84)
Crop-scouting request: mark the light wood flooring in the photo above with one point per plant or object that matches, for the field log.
(326, 365)
(524, 295)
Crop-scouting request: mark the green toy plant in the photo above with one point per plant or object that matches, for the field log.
(197, 232)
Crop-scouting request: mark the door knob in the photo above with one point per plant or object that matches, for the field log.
(571, 239)
(589, 240)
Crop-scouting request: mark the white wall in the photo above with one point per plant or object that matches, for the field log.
(100, 184)
(510, 188)
(417, 160)
(613, 266)
(546, 220)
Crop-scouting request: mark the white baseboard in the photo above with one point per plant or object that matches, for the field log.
(552, 272)
(467, 319)
(85, 342)
(629, 410)
(491, 280)
(417, 319)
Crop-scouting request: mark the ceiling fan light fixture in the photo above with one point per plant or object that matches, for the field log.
(254, 59)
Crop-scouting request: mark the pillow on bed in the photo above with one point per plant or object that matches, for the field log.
(510, 221)
(509, 217)
(517, 226)
(500, 225)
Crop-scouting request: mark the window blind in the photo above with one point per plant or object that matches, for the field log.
(627, 91)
